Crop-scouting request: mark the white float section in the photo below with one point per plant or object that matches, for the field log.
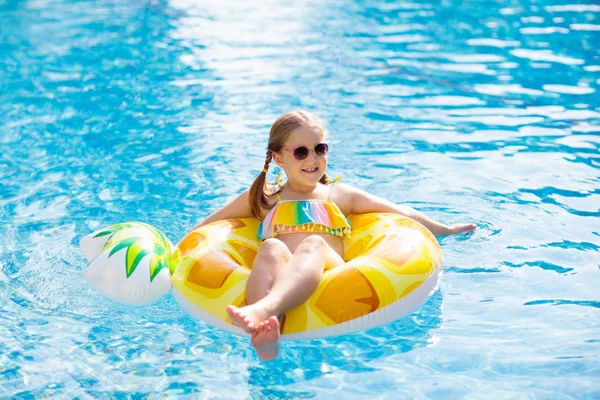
(92, 246)
(109, 277)
(392, 312)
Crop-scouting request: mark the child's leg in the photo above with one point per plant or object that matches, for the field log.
(299, 278)
(293, 284)
(271, 257)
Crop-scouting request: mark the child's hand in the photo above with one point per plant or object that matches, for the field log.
(458, 228)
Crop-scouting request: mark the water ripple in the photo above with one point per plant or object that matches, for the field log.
(594, 304)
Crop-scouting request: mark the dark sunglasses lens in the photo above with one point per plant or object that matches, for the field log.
(301, 153)
(321, 149)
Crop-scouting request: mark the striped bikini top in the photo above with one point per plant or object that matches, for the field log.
(306, 216)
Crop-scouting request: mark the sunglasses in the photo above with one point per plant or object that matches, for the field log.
(300, 153)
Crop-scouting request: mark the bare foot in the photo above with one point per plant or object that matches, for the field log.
(247, 317)
(458, 228)
(265, 339)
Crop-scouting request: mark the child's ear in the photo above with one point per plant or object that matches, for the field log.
(278, 159)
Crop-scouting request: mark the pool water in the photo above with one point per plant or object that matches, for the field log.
(159, 111)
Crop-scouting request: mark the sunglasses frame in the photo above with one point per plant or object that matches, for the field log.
(308, 150)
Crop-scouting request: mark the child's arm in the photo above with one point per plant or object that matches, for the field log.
(363, 202)
(238, 208)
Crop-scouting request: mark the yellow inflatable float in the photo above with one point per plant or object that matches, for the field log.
(393, 265)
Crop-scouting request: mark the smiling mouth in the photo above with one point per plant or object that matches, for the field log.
(315, 169)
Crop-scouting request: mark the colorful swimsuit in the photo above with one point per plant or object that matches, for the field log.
(306, 216)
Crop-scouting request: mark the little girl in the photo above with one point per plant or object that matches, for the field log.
(303, 226)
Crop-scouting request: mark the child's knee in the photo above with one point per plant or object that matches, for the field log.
(313, 243)
(275, 249)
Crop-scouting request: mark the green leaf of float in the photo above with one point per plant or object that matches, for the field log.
(132, 258)
(136, 246)
(103, 233)
(112, 229)
(156, 265)
(123, 244)
(135, 253)
(162, 252)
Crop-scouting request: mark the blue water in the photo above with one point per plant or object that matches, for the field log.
(158, 111)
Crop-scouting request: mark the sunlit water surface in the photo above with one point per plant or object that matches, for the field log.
(159, 111)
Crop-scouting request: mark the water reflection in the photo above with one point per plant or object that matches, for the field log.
(317, 360)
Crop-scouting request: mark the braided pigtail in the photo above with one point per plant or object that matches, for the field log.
(257, 193)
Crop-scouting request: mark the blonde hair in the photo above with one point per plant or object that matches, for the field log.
(280, 132)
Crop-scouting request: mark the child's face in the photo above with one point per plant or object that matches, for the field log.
(309, 170)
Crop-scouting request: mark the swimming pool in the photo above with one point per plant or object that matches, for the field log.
(159, 111)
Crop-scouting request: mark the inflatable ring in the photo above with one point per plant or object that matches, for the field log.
(392, 266)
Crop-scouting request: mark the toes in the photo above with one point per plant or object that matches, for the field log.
(262, 327)
(240, 319)
(259, 328)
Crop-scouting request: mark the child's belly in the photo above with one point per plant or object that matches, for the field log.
(293, 240)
